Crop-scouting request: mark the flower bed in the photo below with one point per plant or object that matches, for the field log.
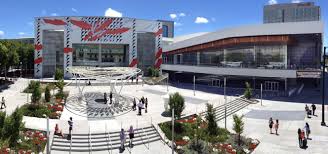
(31, 141)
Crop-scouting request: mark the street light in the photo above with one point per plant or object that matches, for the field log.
(323, 87)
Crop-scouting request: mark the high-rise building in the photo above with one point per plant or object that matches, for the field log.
(291, 12)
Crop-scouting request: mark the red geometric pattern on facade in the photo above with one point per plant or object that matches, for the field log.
(37, 47)
(54, 21)
(38, 60)
(159, 53)
(133, 63)
(159, 63)
(104, 25)
(159, 32)
(81, 24)
(68, 50)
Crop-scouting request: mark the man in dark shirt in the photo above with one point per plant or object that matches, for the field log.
(313, 109)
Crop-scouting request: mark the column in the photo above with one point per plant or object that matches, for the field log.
(99, 53)
(198, 58)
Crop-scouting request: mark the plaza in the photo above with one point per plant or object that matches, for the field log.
(291, 116)
(109, 84)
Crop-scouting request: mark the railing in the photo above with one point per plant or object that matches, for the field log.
(90, 142)
(146, 136)
(71, 138)
(277, 67)
(108, 139)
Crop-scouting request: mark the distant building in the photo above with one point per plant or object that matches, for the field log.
(291, 12)
(27, 40)
(62, 42)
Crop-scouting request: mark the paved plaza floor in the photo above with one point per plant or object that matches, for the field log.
(290, 115)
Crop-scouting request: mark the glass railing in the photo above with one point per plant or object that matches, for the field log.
(270, 65)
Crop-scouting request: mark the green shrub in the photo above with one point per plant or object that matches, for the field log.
(2, 122)
(59, 74)
(12, 125)
(177, 103)
(47, 94)
(212, 126)
(196, 147)
(32, 110)
(153, 72)
(238, 126)
(36, 92)
(248, 91)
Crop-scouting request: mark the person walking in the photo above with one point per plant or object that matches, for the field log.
(122, 139)
(3, 103)
(140, 107)
(313, 108)
(105, 98)
(131, 136)
(276, 126)
(146, 105)
(307, 130)
(270, 125)
(111, 97)
(137, 79)
(299, 132)
(307, 111)
(70, 123)
(134, 106)
(304, 141)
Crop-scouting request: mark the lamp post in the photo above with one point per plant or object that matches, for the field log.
(225, 104)
(323, 87)
(172, 145)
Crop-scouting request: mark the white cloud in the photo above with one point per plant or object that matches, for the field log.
(2, 34)
(173, 15)
(30, 23)
(54, 14)
(75, 10)
(271, 2)
(201, 20)
(296, 1)
(112, 13)
(21, 33)
(177, 24)
(182, 14)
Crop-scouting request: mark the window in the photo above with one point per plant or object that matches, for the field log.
(165, 31)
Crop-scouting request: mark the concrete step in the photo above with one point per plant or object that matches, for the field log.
(101, 142)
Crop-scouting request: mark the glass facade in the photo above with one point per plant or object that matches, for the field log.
(92, 54)
(270, 57)
(165, 31)
(211, 58)
(291, 13)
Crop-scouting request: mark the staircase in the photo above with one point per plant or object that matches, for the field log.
(232, 107)
(103, 141)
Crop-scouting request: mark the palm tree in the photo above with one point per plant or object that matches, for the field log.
(238, 126)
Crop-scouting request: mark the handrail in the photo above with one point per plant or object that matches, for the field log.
(90, 142)
(146, 135)
(71, 138)
(110, 141)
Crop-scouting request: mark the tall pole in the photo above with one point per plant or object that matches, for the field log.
(167, 82)
(261, 92)
(225, 104)
(172, 145)
(194, 84)
(48, 133)
(323, 87)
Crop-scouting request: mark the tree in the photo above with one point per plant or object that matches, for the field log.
(248, 91)
(176, 102)
(17, 126)
(36, 91)
(2, 122)
(47, 94)
(60, 85)
(212, 127)
(238, 126)
(3, 57)
(59, 74)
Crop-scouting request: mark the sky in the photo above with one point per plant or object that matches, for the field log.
(190, 16)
